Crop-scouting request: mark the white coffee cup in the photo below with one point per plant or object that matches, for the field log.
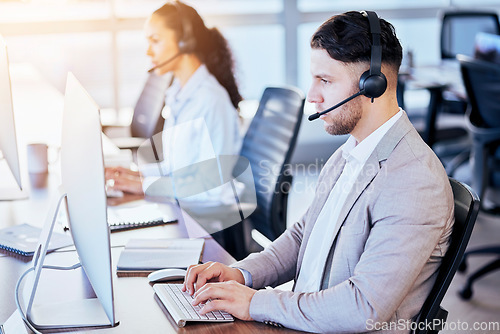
(38, 160)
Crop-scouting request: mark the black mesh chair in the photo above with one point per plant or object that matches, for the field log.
(482, 81)
(466, 210)
(146, 120)
(268, 145)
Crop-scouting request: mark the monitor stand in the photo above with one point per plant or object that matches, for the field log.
(67, 314)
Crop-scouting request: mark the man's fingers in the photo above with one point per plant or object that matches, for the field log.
(192, 276)
(229, 296)
(212, 291)
(214, 305)
(187, 277)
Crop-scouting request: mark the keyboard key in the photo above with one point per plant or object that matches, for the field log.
(169, 293)
(218, 315)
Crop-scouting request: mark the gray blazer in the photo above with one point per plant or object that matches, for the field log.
(390, 237)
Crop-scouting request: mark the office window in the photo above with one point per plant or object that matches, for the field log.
(142, 8)
(426, 51)
(53, 10)
(475, 4)
(305, 32)
(133, 64)
(339, 6)
(259, 54)
(228, 7)
(110, 56)
(136, 8)
(87, 55)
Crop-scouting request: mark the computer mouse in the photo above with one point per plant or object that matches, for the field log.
(168, 274)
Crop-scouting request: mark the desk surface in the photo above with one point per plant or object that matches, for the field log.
(135, 305)
(446, 76)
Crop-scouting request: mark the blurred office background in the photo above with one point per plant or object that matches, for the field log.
(102, 43)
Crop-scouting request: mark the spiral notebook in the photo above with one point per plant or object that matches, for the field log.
(23, 239)
(145, 215)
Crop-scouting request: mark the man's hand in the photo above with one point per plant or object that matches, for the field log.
(198, 275)
(231, 297)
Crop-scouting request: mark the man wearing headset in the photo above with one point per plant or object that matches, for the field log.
(366, 253)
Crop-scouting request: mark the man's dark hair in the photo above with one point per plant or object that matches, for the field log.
(346, 37)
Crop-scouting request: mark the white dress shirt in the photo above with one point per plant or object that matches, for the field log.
(201, 124)
(321, 238)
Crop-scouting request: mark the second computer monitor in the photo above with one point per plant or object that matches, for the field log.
(83, 186)
(11, 186)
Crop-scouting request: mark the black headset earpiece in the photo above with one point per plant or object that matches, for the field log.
(187, 43)
(373, 82)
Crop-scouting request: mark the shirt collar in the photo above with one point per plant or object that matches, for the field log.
(177, 94)
(352, 151)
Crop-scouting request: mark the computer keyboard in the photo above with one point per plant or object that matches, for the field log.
(178, 304)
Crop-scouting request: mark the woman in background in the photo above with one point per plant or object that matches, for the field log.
(202, 120)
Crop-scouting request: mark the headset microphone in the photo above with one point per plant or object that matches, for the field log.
(165, 62)
(314, 116)
(373, 82)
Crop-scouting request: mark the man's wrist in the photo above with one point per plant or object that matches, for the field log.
(247, 277)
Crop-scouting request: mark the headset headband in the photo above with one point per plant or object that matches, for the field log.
(376, 52)
(187, 42)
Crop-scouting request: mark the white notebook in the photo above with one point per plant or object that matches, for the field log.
(142, 256)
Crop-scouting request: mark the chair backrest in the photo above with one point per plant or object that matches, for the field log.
(466, 210)
(268, 145)
(459, 29)
(147, 119)
(482, 84)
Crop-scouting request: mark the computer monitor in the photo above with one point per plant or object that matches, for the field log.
(83, 190)
(11, 186)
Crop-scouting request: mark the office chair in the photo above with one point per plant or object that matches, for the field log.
(268, 145)
(482, 81)
(458, 33)
(146, 120)
(482, 84)
(466, 210)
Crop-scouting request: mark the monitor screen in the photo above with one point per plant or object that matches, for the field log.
(8, 141)
(82, 176)
(82, 173)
